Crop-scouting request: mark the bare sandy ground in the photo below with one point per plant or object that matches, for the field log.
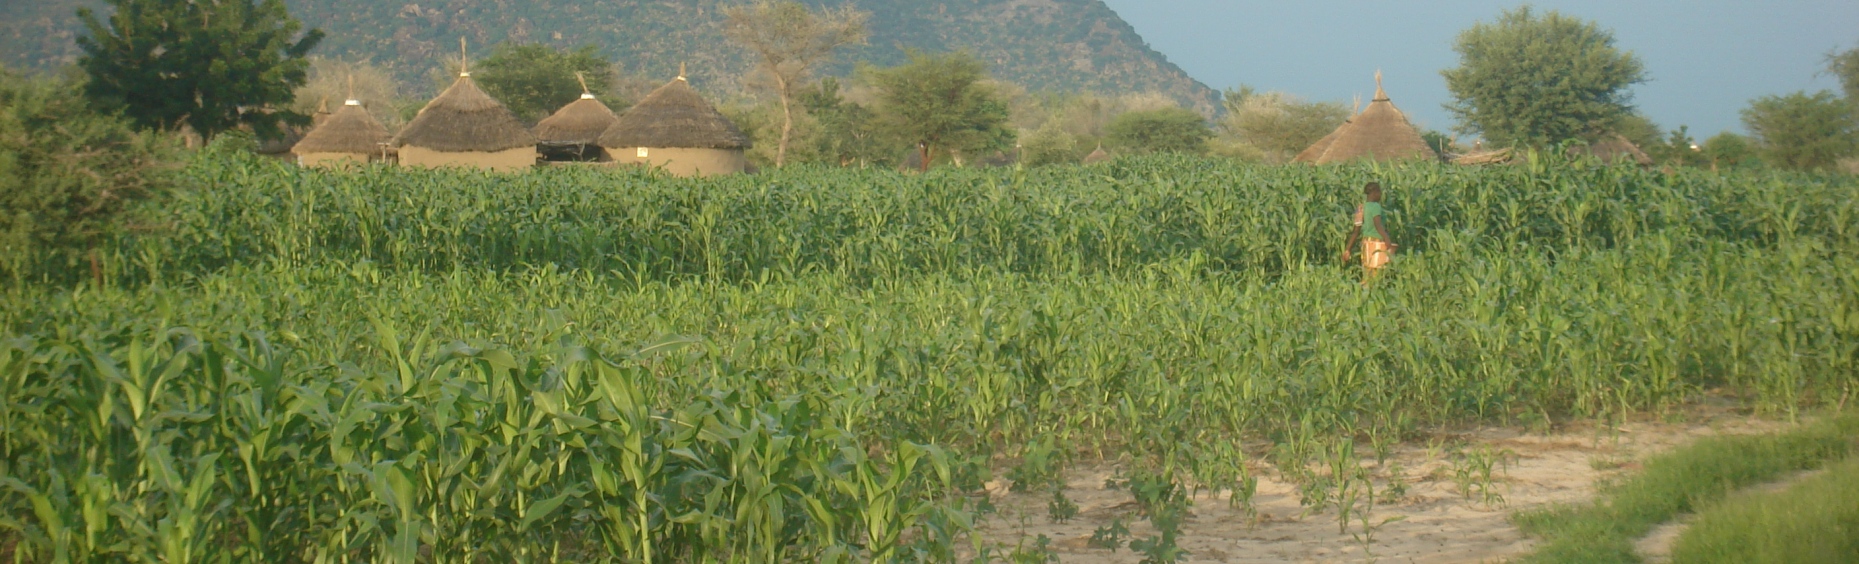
(1435, 522)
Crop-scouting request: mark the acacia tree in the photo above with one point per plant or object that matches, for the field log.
(1537, 80)
(1801, 130)
(1277, 123)
(789, 41)
(940, 103)
(1845, 66)
(211, 65)
(1167, 130)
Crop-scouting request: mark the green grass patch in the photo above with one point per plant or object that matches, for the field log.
(1816, 520)
(1679, 482)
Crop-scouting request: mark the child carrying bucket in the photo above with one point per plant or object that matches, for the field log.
(1377, 248)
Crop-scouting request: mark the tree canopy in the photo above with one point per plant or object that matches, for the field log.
(1277, 124)
(67, 172)
(1845, 67)
(212, 65)
(534, 80)
(941, 104)
(1167, 130)
(1535, 79)
(789, 40)
(1801, 130)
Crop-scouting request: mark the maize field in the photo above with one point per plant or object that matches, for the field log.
(811, 364)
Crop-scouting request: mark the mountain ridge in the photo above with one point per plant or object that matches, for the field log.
(1055, 45)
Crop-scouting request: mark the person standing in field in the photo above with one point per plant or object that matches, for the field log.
(1377, 247)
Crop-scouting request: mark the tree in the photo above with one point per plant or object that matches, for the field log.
(1538, 80)
(1729, 150)
(941, 103)
(534, 80)
(1279, 125)
(846, 134)
(333, 81)
(789, 41)
(1845, 66)
(67, 172)
(1678, 148)
(1168, 130)
(211, 65)
(1802, 131)
(1049, 144)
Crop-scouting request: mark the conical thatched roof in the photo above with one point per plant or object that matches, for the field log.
(1097, 156)
(674, 116)
(464, 118)
(1612, 148)
(1381, 132)
(579, 123)
(1310, 154)
(349, 130)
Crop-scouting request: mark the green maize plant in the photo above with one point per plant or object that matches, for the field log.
(826, 364)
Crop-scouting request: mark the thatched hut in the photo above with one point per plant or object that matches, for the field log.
(1381, 133)
(1097, 155)
(673, 127)
(1612, 148)
(464, 127)
(572, 134)
(349, 136)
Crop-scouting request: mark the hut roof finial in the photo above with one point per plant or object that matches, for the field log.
(579, 77)
(464, 58)
(681, 71)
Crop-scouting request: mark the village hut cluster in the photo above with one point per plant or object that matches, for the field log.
(673, 128)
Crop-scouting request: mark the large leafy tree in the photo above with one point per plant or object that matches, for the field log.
(1801, 130)
(1535, 79)
(1845, 66)
(941, 104)
(1167, 130)
(788, 41)
(534, 80)
(1278, 124)
(67, 172)
(212, 65)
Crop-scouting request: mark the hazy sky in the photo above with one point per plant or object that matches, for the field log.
(1706, 58)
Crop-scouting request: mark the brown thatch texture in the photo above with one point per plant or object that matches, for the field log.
(1310, 154)
(674, 116)
(578, 123)
(350, 130)
(1381, 133)
(1097, 156)
(464, 118)
(1611, 149)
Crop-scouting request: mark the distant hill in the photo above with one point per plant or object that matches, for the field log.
(1061, 45)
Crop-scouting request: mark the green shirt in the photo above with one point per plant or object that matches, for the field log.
(1371, 211)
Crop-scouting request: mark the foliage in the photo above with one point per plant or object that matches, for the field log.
(1678, 149)
(1278, 124)
(1845, 66)
(534, 80)
(461, 366)
(1802, 131)
(1682, 481)
(1050, 144)
(1815, 520)
(1168, 130)
(1729, 150)
(211, 65)
(333, 81)
(846, 134)
(789, 41)
(1536, 80)
(941, 104)
(68, 174)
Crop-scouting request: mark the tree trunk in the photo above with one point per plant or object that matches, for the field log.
(787, 123)
(924, 165)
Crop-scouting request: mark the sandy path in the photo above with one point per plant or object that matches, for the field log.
(1439, 524)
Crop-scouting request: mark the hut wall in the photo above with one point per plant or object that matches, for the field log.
(685, 162)
(332, 160)
(518, 159)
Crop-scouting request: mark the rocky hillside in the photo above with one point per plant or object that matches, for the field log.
(1061, 45)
